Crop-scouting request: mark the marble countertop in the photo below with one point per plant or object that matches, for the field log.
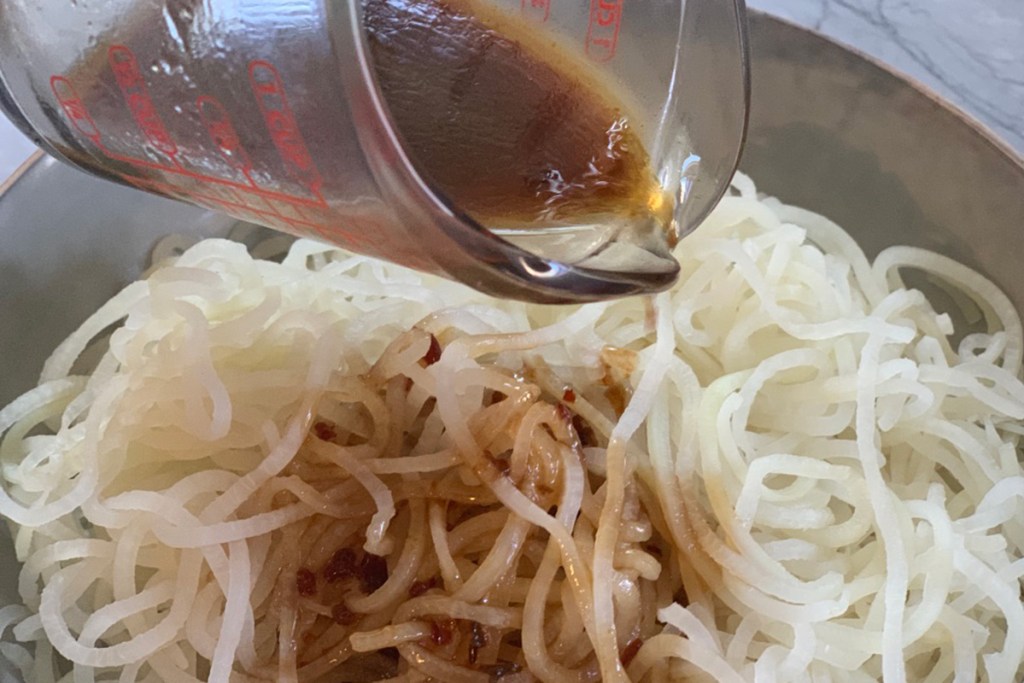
(970, 51)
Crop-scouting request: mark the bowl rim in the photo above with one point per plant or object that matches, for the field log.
(979, 128)
(11, 180)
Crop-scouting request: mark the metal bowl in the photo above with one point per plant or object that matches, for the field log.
(831, 131)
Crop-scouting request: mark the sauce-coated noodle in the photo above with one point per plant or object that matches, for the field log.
(335, 469)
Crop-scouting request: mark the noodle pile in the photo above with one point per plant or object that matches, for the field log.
(335, 469)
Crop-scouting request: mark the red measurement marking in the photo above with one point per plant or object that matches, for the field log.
(213, 180)
(284, 129)
(305, 216)
(536, 10)
(232, 203)
(603, 31)
(136, 96)
(74, 108)
(222, 131)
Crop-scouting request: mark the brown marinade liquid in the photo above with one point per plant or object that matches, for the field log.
(500, 122)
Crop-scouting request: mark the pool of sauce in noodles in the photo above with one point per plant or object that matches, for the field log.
(498, 120)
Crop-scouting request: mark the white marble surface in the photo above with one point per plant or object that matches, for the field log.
(970, 51)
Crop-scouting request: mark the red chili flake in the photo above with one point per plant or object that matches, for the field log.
(477, 641)
(324, 431)
(441, 632)
(373, 572)
(569, 395)
(421, 587)
(434, 352)
(629, 652)
(343, 616)
(305, 580)
(341, 566)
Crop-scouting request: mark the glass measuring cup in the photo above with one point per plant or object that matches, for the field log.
(270, 110)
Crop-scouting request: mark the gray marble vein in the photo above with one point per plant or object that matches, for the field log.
(969, 51)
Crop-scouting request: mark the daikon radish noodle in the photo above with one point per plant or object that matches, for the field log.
(788, 468)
